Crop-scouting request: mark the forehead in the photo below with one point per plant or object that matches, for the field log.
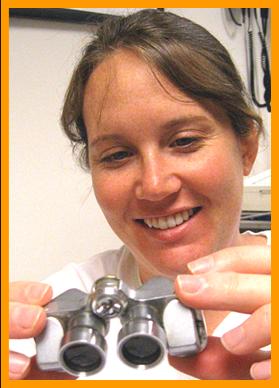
(124, 87)
(124, 77)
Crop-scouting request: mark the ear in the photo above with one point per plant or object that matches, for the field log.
(249, 145)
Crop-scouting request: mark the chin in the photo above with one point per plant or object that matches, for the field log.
(171, 262)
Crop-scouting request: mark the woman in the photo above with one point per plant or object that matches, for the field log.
(167, 132)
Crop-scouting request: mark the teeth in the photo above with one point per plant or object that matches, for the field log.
(148, 222)
(155, 223)
(185, 215)
(170, 221)
(178, 219)
(162, 223)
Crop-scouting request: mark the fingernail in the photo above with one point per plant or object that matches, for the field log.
(232, 338)
(27, 317)
(191, 284)
(18, 364)
(37, 291)
(204, 264)
(261, 370)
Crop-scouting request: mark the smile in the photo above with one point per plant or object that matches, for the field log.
(171, 221)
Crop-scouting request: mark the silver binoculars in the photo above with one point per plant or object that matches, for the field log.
(153, 322)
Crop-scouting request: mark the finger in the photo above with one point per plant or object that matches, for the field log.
(216, 363)
(224, 291)
(245, 259)
(30, 292)
(25, 321)
(247, 337)
(261, 370)
(19, 366)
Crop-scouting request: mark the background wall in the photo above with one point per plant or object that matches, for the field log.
(54, 217)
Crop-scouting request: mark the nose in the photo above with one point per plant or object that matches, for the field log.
(157, 180)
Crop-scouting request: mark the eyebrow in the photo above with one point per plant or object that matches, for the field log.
(107, 137)
(186, 120)
(171, 124)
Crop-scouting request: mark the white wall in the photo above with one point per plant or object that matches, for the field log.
(54, 217)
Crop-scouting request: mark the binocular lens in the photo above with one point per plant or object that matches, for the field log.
(141, 350)
(141, 343)
(83, 351)
(82, 358)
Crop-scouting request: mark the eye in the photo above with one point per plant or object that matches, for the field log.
(183, 142)
(117, 156)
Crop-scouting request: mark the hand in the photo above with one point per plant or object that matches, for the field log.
(234, 279)
(27, 320)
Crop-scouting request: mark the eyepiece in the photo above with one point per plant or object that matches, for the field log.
(141, 343)
(83, 351)
(141, 350)
(82, 358)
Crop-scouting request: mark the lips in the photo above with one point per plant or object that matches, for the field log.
(170, 221)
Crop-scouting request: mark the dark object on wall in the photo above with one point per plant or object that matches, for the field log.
(59, 14)
(256, 30)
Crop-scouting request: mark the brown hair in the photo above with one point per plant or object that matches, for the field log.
(183, 51)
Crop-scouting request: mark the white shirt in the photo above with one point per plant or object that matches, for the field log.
(123, 265)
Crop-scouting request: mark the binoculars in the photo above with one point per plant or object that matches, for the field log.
(153, 322)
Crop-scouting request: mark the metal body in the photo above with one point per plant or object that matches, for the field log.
(153, 322)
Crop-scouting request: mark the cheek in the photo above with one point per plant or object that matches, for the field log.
(112, 192)
(220, 174)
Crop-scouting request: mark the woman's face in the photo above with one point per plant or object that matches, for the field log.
(167, 170)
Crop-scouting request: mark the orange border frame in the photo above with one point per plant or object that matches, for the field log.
(5, 5)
